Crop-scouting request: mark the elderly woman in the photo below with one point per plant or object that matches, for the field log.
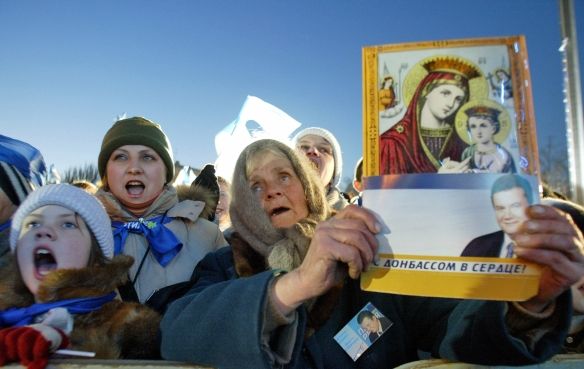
(290, 283)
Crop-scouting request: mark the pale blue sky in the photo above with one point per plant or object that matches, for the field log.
(69, 67)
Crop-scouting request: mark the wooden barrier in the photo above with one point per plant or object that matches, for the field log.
(571, 361)
(113, 364)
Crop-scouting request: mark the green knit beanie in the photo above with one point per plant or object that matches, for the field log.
(136, 131)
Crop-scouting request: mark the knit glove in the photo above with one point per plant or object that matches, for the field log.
(208, 180)
(30, 345)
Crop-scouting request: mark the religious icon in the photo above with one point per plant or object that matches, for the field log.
(501, 86)
(430, 169)
(422, 140)
(413, 93)
(484, 125)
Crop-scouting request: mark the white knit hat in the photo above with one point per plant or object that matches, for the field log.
(70, 197)
(327, 135)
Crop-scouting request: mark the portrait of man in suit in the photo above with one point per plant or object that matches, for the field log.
(511, 195)
(372, 324)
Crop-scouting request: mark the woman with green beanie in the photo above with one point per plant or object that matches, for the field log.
(165, 237)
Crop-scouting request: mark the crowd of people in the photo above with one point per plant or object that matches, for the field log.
(261, 272)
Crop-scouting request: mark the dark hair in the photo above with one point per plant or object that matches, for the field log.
(365, 314)
(96, 256)
(510, 181)
(359, 170)
(494, 122)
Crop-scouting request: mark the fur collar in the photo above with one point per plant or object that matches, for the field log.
(64, 283)
(166, 200)
(198, 194)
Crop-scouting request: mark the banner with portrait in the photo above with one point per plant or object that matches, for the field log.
(450, 163)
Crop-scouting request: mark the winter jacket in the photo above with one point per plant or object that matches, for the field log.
(117, 330)
(198, 237)
(222, 319)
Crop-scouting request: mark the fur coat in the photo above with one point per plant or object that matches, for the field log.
(117, 330)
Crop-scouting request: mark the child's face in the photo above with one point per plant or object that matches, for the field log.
(481, 129)
(52, 237)
(135, 176)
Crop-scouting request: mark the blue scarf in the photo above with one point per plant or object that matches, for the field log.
(5, 225)
(16, 317)
(164, 243)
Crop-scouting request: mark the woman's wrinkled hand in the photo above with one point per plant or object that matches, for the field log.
(342, 244)
(551, 239)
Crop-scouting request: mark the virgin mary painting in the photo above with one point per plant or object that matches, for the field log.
(424, 140)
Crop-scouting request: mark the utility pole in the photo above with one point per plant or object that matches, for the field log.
(573, 100)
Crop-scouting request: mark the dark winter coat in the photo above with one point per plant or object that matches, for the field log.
(219, 322)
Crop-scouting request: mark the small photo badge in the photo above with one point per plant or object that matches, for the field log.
(361, 331)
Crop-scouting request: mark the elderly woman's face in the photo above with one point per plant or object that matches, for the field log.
(273, 180)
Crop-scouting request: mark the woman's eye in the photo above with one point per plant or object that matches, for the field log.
(32, 224)
(325, 150)
(120, 157)
(285, 178)
(149, 157)
(256, 188)
(69, 225)
(304, 148)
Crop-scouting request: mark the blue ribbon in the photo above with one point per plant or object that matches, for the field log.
(165, 246)
(16, 317)
(5, 225)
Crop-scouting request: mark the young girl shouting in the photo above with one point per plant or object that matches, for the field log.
(60, 291)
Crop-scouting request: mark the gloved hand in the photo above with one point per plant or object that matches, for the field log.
(208, 180)
(30, 345)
